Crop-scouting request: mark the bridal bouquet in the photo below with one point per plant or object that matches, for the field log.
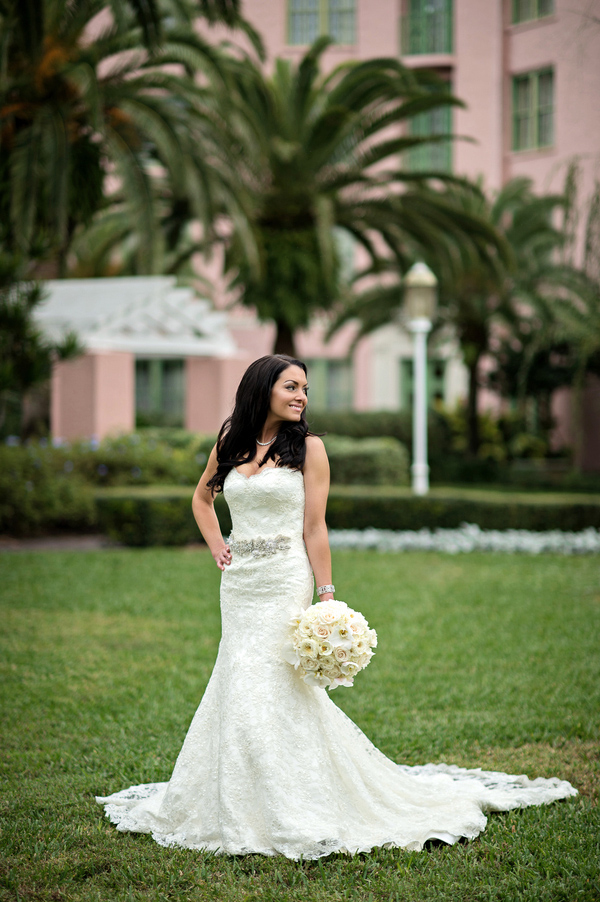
(329, 644)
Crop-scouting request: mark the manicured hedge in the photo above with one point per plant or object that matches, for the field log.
(367, 461)
(162, 517)
(165, 518)
(389, 511)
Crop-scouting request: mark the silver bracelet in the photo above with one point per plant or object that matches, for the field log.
(322, 590)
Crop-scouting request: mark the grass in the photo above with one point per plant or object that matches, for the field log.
(483, 660)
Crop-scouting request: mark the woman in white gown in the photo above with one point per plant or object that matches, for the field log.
(269, 764)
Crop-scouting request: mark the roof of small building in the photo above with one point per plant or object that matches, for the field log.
(145, 315)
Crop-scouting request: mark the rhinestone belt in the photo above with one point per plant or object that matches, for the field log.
(259, 547)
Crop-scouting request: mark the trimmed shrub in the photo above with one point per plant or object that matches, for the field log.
(362, 424)
(35, 499)
(347, 510)
(367, 461)
(163, 516)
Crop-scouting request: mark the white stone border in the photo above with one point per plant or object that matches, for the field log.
(468, 537)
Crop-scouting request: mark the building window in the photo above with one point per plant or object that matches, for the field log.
(436, 155)
(427, 28)
(331, 384)
(159, 392)
(526, 10)
(307, 19)
(533, 110)
(436, 373)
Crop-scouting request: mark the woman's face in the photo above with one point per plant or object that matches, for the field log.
(289, 394)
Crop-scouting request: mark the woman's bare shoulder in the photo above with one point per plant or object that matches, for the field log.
(316, 455)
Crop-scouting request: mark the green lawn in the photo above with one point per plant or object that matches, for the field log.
(483, 660)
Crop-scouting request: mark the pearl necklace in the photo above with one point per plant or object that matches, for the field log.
(264, 444)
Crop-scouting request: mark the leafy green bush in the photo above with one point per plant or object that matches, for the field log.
(35, 499)
(367, 461)
(132, 459)
(505, 443)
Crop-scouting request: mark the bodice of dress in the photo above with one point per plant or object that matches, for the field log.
(266, 505)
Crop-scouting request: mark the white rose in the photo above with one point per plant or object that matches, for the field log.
(308, 648)
(372, 638)
(330, 666)
(325, 647)
(322, 631)
(309, 664)
(304, 629)
(340, 653)
(327, 616)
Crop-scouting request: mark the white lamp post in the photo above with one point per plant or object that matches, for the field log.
(420, 296)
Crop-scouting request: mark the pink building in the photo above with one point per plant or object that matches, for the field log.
(529, 73)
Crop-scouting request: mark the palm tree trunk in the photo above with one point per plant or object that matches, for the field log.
(472, 416)
(284, 340)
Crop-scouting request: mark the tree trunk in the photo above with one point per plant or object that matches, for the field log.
(472, 417)
(284, 340)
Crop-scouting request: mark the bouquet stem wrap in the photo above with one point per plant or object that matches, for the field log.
(329, 644)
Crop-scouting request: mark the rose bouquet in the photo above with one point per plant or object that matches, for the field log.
(329, 644)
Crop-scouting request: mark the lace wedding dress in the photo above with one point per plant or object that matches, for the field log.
(271, 765)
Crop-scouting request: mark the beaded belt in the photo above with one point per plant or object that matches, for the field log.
(259, 547)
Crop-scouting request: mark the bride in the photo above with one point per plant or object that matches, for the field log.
(269, 764)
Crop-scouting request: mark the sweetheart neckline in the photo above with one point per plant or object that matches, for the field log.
(265, 470)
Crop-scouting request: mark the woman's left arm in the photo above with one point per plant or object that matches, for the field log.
(316, 487)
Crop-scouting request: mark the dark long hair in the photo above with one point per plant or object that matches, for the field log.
(237, 439)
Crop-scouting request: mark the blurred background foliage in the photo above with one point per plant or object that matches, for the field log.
(129, 142)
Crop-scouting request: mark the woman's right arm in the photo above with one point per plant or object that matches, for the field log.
(203, 507)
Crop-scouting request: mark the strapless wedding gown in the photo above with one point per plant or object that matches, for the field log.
(271, 765)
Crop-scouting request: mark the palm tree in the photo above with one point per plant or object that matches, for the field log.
(484, 299)
(317, 156)
(82, 99)
(578, 324)
(30, 18)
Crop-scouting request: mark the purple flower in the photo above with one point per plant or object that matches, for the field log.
(102, 469)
